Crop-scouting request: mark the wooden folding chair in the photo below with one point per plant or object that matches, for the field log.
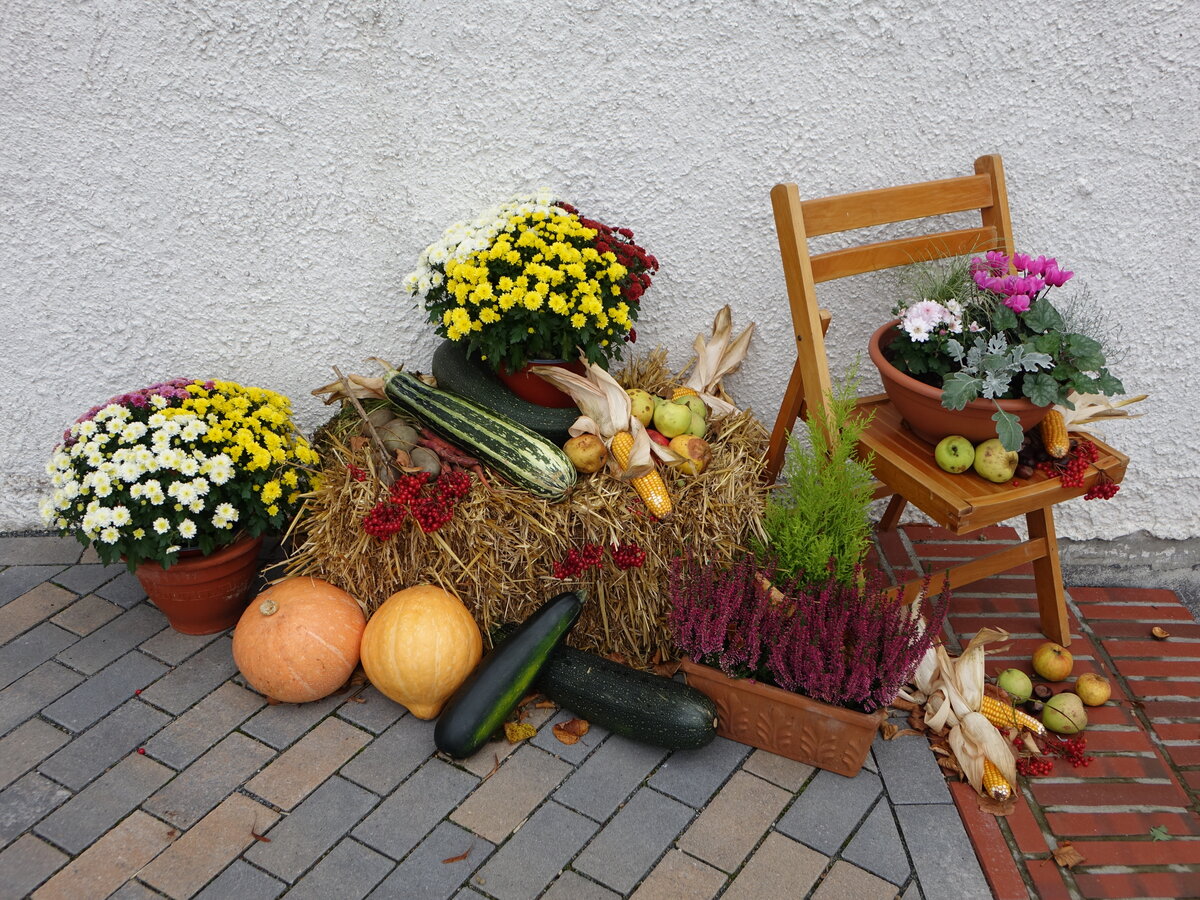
(903, 463)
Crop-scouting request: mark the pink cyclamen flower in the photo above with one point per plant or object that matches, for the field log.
(1056, 277)
(1018, 303)
(1021, 261)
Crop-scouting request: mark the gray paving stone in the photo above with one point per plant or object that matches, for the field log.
(26, 801)
(945, 862)
(829, 810)
(877, 846)
(913, 892)
(173, 647)
(241, 881)
(124, 590)
(25, 747)
(536, 853)
(285, 723)
(83, 579)
(185, 739)
(392, 756)
(134, 890)
(425, 876)
(27, 863)
(105, 691)
(629, 845)
(573, 886)
(400, 822)
(693, 776)
(15, 581)
(197, 677)
(31, 649)
(572, 753)
(320, 821)
(105, 644)
(86, 614)
(910, 770)
(28, 694)
(375, 713)
(35, 550)
(349, 871)
(608, 776)
(92, 752)
(209, 780)
(94, 810)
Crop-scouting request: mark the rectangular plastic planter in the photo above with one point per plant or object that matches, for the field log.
(788, 724)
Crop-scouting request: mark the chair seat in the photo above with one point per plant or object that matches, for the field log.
(963, 503)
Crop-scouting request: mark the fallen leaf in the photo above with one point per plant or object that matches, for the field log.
(904, 705)
(358, 699)
(667, 669)
(545, 704)
(1067, 856)
(271, 701)
(1031, 745)
(904, 732)
(359, 677)
(357, 442)
(1159, 833)
(259, 837)
(950, 764)
(889, 730)
(459, 858)
(916, 720)
(996, 807)
(518, 731)
(1159, 633)
(570, 732)
(493, 770)
(528, 698)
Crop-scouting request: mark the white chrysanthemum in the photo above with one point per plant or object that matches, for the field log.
(188, 466)
(84, 429)
(110, 535)
(196, 506)
(219, 469)
(187, 529)
(100, 483)
(120, 515)
(169, 458)
(225, 515)
(200, 486)
(133, 432)
(158, 401)
(161, 525)
(48, 509)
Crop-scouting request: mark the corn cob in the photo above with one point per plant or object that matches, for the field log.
(683, 391)
(651, 488)
(1054, 434)
(1002, 715)
(994, 784)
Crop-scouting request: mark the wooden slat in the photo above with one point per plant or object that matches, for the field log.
(901, 252)
(975, 570)
(863, 209)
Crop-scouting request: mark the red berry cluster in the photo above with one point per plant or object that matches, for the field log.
(1035, 765)
(1103, 489)
(1072, 749)
(1072, 469)
(627, 556)
(431, 507)
(356, 473)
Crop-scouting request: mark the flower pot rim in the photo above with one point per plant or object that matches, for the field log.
(202, 560)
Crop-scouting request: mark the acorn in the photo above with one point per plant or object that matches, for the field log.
(1042, 692)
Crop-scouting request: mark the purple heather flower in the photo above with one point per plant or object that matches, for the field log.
(1018, 303)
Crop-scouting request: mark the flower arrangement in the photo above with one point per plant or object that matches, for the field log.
(181, 464)
(849, 645)
(987, 328)
(532, 278)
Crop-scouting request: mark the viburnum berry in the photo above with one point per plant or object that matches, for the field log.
(356, 473)
(578, 560)
(627, 556)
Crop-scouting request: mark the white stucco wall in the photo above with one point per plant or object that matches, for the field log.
(235, 189)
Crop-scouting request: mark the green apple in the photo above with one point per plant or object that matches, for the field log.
(1016, 684)
(698, 427)
(954, 453)
(672, 419)
(995, 463)
(641, 405)
(695, 404)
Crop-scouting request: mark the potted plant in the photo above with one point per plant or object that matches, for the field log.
(981, 340)
(180, 480)
(533, 280)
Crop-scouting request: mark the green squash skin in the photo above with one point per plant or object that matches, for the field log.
(457, 373)
(503, 677)
(637, 705)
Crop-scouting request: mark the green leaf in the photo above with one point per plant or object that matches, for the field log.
(1085, 352)
(1159, 833)
(1109, 384)
(1047, 343)
(1004, 318)
(1043, 317)
(960, 389)
(1041, 388)
(1008, 429)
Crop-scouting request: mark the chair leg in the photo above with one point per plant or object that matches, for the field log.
(891, 516)
(1047, 574)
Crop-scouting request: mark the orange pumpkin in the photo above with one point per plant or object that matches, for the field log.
(298, 640)
(419, 646)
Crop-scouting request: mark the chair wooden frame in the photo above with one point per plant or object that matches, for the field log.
(903, 463)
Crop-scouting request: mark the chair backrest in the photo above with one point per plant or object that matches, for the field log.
(796, 221)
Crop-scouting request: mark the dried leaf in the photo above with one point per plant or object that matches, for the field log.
(905, 705)
(518, 731)
(916, 721)
(950, 764)
(357, 699)
(889, 730)
(1159, 633)
(271, 701)
(571, 731)
(459, 858)
(996, 807)
(667, 669)
(545, 704)
(1030, 744)
(259, 837)
(357, 442)
(492, 771)
(906, 732)
(1067, 856)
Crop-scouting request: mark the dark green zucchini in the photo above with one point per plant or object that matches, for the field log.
(639, 705)
(503, 677)
(468, 377)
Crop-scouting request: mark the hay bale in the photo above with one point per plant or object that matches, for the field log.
(498, 551)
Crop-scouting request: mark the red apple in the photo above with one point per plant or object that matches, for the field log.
(658, 437)
(1052, 661)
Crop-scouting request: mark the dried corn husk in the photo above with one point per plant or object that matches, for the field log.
(1090, 408)
(716, 358)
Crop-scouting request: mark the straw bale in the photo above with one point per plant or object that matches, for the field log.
(497, 553)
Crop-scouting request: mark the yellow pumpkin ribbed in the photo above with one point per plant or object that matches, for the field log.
(419, 646)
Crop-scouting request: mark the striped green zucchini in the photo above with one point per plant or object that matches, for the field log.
(522, 456)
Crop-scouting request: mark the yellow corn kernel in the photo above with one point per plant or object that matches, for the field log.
(994, 784)
(1054, 434)
(1002, 715)
(683, 391)
(651, 488)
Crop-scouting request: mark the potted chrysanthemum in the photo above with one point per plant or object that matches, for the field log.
(533, 280)
(180, 480)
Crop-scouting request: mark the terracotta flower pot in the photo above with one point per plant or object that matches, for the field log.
(787, 724)
(921, 407)
(203, 594)
(536, 389)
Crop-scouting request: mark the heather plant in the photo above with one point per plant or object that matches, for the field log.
(846, 644)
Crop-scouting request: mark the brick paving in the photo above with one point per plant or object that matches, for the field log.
(346, 797)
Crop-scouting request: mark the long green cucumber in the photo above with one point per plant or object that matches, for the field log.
(503, 677)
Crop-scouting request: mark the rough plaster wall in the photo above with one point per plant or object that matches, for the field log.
(235, 189)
